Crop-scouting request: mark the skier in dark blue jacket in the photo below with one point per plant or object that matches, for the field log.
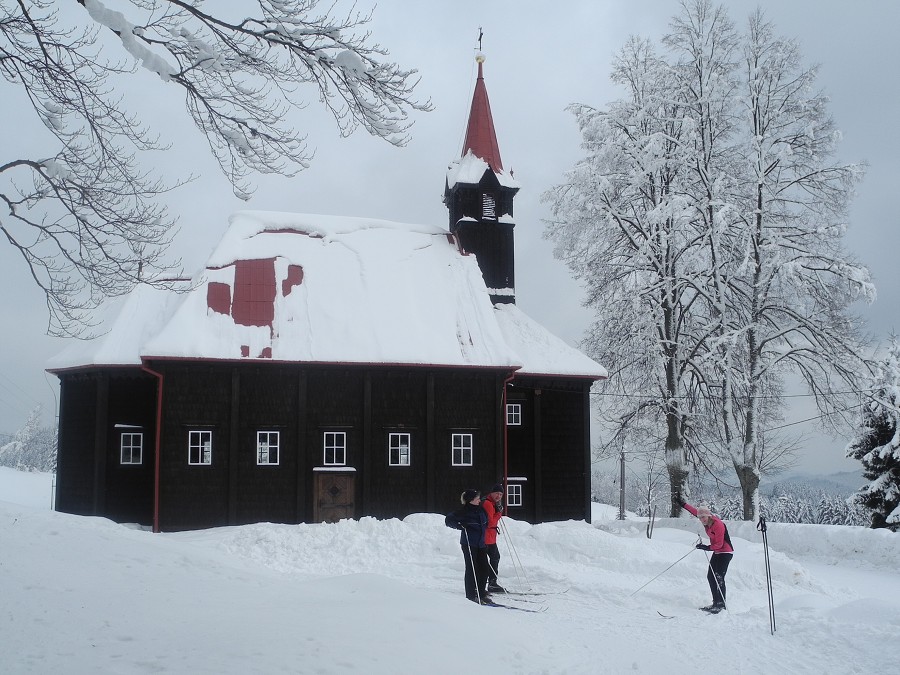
(472, 520)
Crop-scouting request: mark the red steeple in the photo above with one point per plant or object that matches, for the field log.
(481, 138)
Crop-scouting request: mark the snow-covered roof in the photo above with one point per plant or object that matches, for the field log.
(541, 352)
(326, 289)
(469, 170)
(129, 321)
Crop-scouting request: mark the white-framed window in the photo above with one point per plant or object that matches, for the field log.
(131, 446)
(461, 454)
(267, 447)
(335, 448)
(513, 414)
(514, 494)
(398, 449)
(200, 447)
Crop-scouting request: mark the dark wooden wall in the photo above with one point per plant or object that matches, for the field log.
(129, 488)
(493, 245)
(234, 401)
(551, 448)
(195, 396)
(304, 403)
(467, 402)
(75, 466)
(521, 443)
(399, 401)
(91, 480)
(563, 469)
(267, 402)
(489, 239)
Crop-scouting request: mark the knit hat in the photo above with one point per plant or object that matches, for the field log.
(498, 487)
(467, 496)
(703, 511)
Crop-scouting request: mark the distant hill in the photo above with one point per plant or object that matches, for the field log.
(843, 483)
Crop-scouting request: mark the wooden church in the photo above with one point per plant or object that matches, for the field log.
(321, 368)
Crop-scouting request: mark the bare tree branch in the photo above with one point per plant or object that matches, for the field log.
(88, 217)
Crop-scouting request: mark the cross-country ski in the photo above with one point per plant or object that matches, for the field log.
(533, 600)
(491, 603)
(530, 592)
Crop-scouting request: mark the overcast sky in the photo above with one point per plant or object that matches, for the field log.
(540, 58)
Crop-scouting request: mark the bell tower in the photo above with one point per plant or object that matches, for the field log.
(479, 195)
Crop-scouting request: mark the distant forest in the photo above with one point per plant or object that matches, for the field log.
(823, 500)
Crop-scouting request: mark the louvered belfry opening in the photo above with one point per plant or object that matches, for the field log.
(488, 207)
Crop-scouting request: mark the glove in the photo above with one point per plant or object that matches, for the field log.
(704, 547)
(498, 508)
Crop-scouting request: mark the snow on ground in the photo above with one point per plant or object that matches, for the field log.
(85, 595)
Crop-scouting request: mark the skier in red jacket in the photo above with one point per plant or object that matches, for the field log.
(493, 506)
(722, 552)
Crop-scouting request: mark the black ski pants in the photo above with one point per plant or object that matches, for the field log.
(718, 566)
(476, 571)
(493, 556)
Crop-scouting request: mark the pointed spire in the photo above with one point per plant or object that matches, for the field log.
(481, 138)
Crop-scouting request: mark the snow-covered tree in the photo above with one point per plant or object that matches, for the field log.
(33, 447)
(82, 206)
(622, 225)
(706, 221)
(792, 283)
(877, 442)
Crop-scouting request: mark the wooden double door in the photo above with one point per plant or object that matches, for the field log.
(335, 496)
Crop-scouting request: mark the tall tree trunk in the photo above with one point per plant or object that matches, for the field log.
(675, 462)
(748, 475)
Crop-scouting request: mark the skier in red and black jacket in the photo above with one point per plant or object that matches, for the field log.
(722, 552)
(493, 507)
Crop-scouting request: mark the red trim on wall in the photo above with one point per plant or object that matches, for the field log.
(509, 378)
(159, 408)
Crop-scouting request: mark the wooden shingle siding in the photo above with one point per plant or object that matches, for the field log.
(521, 449)
(234, 401)
(334, 399)
(562, 458)
(129, 488)
(465, 402)
(75, 459)
(195, 396)
(268, 402)
(397, 405)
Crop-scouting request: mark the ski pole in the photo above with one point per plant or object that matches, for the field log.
(509, 550)
(693, 548)
(514, 556)
(472, 563)
(761, 526)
